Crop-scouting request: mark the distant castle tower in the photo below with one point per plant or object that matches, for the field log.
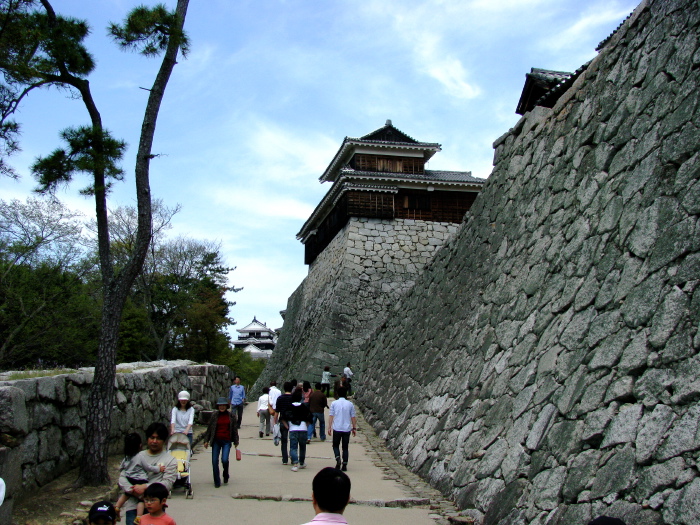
(256, 339)
(382, 220)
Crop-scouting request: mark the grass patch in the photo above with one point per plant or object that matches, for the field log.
(30, 374)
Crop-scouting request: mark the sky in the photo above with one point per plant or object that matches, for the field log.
(270, 88)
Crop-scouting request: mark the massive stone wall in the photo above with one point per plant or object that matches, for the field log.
(42, 420)
(545, 368)
(349, 290)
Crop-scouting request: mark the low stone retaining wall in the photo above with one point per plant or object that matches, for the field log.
(42, 420)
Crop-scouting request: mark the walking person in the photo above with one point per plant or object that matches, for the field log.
(326, 380)
(182, 416)
(221, 433)
(342, 421)
(306, 391)
(347, 372)
(264, 412)
(298, 417)
(236, 396)
(282, 404)
(274, 393)
(330, 494)
(317, 403)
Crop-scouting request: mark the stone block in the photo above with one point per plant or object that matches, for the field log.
(546, 487)
(539, 430)
(581, 471)
(14, 418)
(684, 435)
(623, 428)
(616, 475)
(682, 506)
(658, 477)
(11, 470)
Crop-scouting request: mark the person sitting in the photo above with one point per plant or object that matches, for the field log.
(330, 495)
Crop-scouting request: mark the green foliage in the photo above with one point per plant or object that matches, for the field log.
(243, 365)
(87, 151)
(134, 339)
(47, 317)
(148, 30)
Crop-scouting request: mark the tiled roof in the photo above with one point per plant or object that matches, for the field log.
(537, 83)
(388, 133)
(387, 136)
(605, 42)
(429, 175)
(550, 98)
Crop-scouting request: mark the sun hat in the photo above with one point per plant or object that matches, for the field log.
(222, 401)
(102, 509)
(183, 396)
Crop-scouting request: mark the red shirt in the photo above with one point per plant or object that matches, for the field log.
(163, 519)
(223, 431)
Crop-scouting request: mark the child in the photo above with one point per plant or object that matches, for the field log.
(135, 469)
(155, 497)
(102, 513)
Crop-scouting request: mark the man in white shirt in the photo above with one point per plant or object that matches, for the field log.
(274, 393)
(341, 422)
(348, 374)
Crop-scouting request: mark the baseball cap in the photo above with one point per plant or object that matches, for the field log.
(184, 395)
(102, 509)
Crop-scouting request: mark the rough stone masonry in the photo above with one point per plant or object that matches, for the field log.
(544, 367)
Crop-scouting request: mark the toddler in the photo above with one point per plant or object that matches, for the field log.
(135, 469)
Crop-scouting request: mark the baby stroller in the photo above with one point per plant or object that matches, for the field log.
(179, 448)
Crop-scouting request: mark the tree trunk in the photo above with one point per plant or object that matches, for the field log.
(93, 467)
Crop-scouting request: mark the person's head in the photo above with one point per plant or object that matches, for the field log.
(183, 400)
(294, 383)
(156, 436)
(296, 396)
(102, 513)
(307, 386)
(155, 497)
(331, 490)
(237, 380)
(273, 383)
(342, 392)
(266, 390)
(222, 404)
(132, 444)
(327, 368)
(348, 365)
(288, 387)
(317, 386)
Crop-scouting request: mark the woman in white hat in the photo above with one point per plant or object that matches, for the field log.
(182, 416)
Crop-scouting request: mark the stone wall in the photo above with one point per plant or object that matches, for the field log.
(42, 420)
(545, 368)
(349, 290)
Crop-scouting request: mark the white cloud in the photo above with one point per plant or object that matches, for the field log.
(285, 154)
(585, 26)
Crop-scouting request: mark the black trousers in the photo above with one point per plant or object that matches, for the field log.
(339, 437)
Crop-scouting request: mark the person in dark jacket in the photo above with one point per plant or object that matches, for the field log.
(282, 405)
(221, 433)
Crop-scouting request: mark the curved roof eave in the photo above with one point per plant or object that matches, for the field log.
(426, 147)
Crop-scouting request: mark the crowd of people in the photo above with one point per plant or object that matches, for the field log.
(294, 415)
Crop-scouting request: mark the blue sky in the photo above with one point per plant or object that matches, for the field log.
(271, 87)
